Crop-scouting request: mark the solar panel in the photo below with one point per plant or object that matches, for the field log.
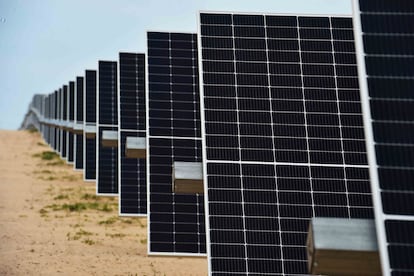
(52, 117)
(107, 120)
(52, 113)
(78, 124)
(89, 138)
(131, 109)
(385, 36)
(48, 118)
(64, 142)
(283, 136)
(70, 119)
(57, 121)
(176, 221)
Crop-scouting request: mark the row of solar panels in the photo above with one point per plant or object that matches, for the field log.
(274, 118)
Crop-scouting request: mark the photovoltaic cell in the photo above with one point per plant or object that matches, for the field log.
(90, 121)
(107, 118)
(283, 133)
(132, 171)
(176, 222)
(386, 45)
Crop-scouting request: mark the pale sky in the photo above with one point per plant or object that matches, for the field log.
(47, 43)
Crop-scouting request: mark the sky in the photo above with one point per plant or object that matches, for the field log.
(47, 43)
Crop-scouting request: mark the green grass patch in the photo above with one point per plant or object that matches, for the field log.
(42, 172)
(70, 177)
(90, 197)
(56, 163)
(60, 197)
(82, 232)
(43, 211)
(75, 207)
(105, 208)
(78, 235)
(80, 206)
(47, 155)
(49, 178)
(54, 207)
(108, 221)
(89, 242)
(116, 235)
(46, 171)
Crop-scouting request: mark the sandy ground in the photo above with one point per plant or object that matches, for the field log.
(52, 224)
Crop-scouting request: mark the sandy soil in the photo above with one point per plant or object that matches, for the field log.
(52, 224)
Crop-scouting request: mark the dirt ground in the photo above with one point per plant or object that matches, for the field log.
(51, 222)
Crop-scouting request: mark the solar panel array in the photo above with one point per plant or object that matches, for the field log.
(131, 101)
(90, 121)
(107, 120)
(386, 30)
(79, 123)
(284, 138)
(176, 222)
(280, 125)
